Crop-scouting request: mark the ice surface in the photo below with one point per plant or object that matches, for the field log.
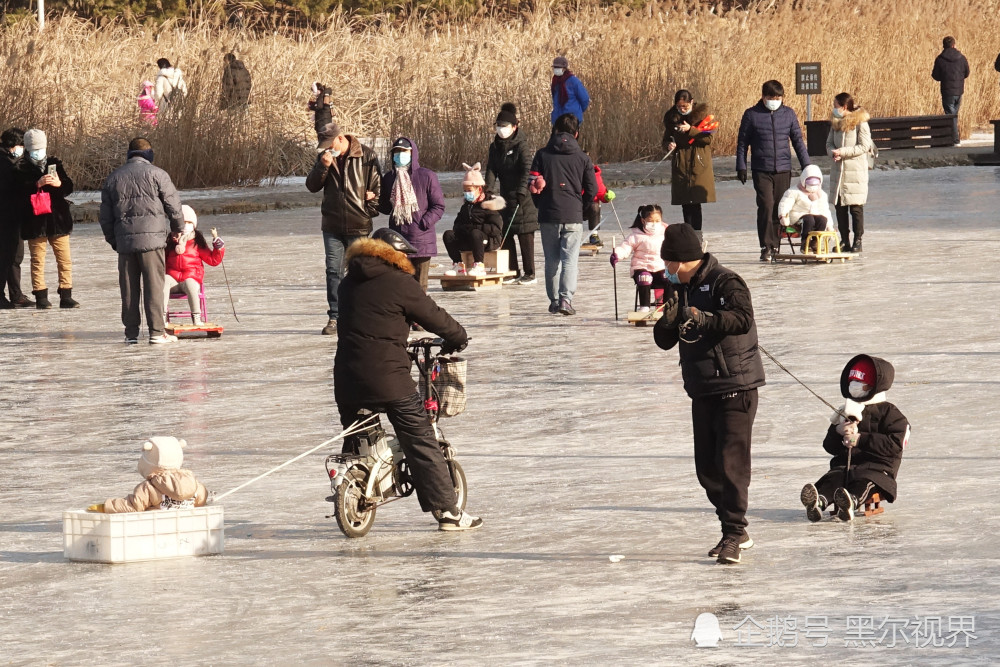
(576, 444)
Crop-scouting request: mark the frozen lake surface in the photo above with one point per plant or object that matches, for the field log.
(577, 446)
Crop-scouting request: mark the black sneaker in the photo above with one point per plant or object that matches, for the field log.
(765, 254)
(554, 307)
(565, 307)
(330, 329)
(813, 502)
(857, 246)
(596, 240)
(5, 304)
(845, 503)
(729, 549)
(460, 520)
(745, 543)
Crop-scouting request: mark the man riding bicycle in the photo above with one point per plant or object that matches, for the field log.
(379, 300)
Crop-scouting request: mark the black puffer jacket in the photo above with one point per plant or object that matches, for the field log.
(484, 216)
(345, 210)
(884, 432)
(724, 357)
(139, 207)
(8, 217)
(57, 223)
(951, 69)
(509, 163)
(379, 299)
(569, 181)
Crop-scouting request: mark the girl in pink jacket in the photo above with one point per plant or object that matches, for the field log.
(647, 267)
(147, 105)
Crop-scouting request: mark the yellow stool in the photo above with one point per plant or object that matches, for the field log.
(826, 242)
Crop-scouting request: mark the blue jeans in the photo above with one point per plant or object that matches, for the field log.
(950, 104)
(561, 247)
(335, 245)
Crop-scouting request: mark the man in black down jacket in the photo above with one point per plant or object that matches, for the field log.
(11, 244)
(139, 207)
(350, 178)
(951, 69)
(563, 189)
(712, 319)
(379, 300)
(765, 130)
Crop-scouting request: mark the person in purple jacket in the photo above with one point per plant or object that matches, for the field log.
(411, 197)
(766, 129)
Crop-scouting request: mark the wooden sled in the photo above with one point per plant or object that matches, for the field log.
(820, 247)
(818, 258)
(467, 283)
(190, 331)
(589, 250)
(873, 505)
(643, 319)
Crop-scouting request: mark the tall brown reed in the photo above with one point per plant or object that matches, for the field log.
(443, 84)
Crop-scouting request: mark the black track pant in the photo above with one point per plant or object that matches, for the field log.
(11, 256)
(527, 243)
(810, 223)
(858, 215)
(770, 186)
(463, 238)
(692, 215)
(428, 468)
(593, 215)
(722, 431)
(643, 291)
(828, 484)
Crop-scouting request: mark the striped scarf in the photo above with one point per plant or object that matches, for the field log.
(404, 199)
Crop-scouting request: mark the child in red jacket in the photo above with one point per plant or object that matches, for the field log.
(187, 254)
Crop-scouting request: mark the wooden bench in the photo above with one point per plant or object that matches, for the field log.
(913, 131)
(996, 136)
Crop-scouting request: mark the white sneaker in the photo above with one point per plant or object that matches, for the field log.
(162, 339)
(527, 280)
(643, 309)
(197, 321)
(461, 521)
(512, 280)
(457, 269)
(478, 269)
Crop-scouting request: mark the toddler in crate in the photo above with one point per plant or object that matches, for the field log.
(166, 484)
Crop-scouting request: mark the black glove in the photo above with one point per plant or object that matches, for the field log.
(450, 348)
(742, 175)
(671, 309)
(699, 318)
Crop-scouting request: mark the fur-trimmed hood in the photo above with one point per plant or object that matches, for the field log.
(850, 120)
(372, 257)
(493, 203)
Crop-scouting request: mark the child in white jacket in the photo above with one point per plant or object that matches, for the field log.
(648, 268)
(806, 204)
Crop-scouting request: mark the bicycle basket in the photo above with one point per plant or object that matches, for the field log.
(449, 385)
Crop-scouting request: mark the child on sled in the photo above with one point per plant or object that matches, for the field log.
(647, 267)
(873, 429)
(187, 254)
(805, 206)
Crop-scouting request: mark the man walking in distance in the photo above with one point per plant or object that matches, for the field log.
(711, 316)
(766, 129)
(350, 178)
(139, 207)
(951, 69)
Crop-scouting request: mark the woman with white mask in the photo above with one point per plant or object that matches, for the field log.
(849, 144)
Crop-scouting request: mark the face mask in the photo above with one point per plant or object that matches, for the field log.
(188, 228)
(772, 105)
(651, 227)
(837, 113)
(504, 131)
(673, 277)
(558, 71)
(684, 113)
(469, 196)
(18, 151)
(401, 158)
(812, 188)
(334, 152)
(37, 156)
(857, 389)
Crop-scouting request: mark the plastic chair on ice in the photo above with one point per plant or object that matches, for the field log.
(178, 312)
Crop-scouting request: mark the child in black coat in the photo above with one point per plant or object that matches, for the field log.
(876, 431)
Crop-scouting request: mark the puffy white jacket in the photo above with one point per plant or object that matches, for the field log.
(644, 248)
(796, 202)
(170, 86)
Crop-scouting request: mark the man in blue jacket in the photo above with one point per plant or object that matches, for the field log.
(766, 129)
(568, 93)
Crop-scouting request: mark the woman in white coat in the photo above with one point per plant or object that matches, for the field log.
(849, 144)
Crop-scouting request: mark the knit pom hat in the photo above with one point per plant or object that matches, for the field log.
(34, 140)
(473, 175)
(189, 215)
(161, 453)
(680, 244)
(508, 114)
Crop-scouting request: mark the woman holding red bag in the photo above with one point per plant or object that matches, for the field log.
(42, 186)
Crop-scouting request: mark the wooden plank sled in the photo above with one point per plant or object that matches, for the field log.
(469, 283)
(589, 249)
(188, 330)
(818, 258)
(642, 319)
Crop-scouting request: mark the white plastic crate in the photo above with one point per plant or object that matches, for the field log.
(139, 536)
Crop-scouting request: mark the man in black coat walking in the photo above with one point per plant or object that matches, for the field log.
(951, 69)
(379, 300)
(711, 316)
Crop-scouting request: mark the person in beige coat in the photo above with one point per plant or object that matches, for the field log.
(166, 484)
(849, 144)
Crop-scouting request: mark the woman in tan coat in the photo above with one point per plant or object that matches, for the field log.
(692, 181)
(849, 144)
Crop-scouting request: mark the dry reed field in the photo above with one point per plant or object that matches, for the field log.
(443, 84)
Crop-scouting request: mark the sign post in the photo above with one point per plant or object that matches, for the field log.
(808, 82)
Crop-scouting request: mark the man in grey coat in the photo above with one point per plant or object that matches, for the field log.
(139, 207)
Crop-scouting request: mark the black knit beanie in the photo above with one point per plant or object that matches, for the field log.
(680, 244)
(508, 114)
